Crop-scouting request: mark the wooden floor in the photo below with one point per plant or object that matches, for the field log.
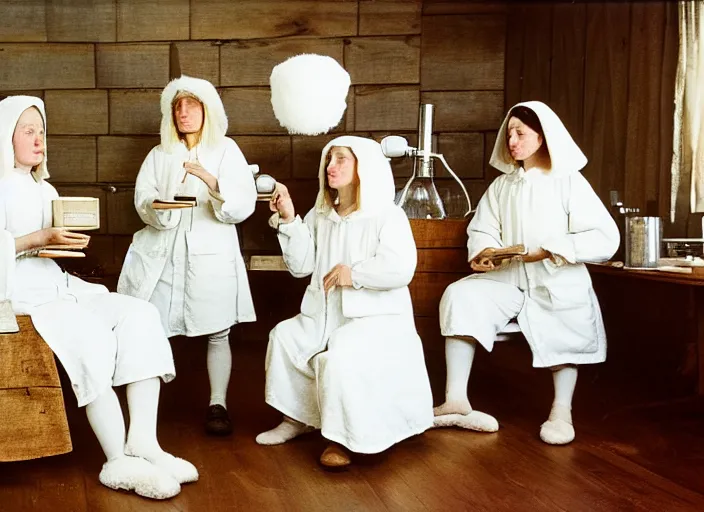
(626, 457)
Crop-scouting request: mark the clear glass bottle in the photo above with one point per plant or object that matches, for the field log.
(422, 200)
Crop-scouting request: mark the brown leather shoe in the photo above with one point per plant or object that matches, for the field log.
(335, 457)
(217, 421)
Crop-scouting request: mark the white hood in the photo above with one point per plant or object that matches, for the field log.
(215, 119)
(565, 155)
(376, 181)
(11, 108)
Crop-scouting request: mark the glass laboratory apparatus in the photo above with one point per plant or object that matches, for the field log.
(419, 198)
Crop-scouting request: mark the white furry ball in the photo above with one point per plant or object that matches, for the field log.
(308, 93)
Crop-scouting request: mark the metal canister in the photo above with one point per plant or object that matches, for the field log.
(643, 240)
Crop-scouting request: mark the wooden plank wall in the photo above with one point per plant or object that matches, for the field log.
(608, 70)
(100, 66)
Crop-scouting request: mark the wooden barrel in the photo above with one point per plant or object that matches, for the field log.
(33, 420)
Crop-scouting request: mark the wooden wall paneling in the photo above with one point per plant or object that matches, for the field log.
(567, 71)
(667, 112)
(249, 111)
(513, 62)
(490, 173)
(77, 112)
(464, 153)
(153, 21)
(54, 66)
(72, 159)
(465, 111)
(135, 111)
(122, 216)
(254, 19)
(463, 52)
(434, 7)
(120, 158)
(200, 59)
(23, 21)
(349, 118)
(383, 60)
(537, 52)
(132, 65)
(272, 153)
(389, 17)
(644, 87)
(386, 108)
(606, 96)
(87, 20)
(249, 63)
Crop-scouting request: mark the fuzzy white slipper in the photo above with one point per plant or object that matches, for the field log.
(558, 429)
(475, 420)
(180, 469)
(138, 475)
(285, 431)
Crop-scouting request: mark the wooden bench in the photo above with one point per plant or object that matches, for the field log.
(33, 420)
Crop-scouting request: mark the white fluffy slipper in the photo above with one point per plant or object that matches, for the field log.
(475, 420)
(138, 475)
(180, 469)
(558, 429)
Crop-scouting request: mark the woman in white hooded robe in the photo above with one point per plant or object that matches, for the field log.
(187, 262)
(543, 202)
(101, 339)
(351, 363)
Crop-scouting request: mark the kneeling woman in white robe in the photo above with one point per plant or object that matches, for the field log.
(102, 339)
(543, 202)
(351, 363)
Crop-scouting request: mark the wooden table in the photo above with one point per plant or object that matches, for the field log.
(694, 281)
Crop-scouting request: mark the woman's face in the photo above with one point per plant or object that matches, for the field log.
(188, 113)
(342, 169)
(522, 141)
(28, 140)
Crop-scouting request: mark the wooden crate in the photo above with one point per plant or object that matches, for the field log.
(34, 418)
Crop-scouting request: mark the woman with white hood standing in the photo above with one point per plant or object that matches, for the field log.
(102, 339)
(351, 363)
(187, 262)
(544, 203)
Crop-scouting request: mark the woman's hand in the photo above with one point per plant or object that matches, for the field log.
(62, 236)
(339, 275)
(199, 171)
(536, 255)
(483, 261)
(281, 202)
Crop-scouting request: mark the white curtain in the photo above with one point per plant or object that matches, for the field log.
(688, 142)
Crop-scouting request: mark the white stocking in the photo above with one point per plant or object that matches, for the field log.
(285, 431)
(108, 424)
(558, 428)
(143, 403)
(120, 471)
(219, 366)
(457, 411)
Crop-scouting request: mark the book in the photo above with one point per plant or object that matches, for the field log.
(55, 251)
(262, 262)
(76, 213)
(178, 202)
(508, 252)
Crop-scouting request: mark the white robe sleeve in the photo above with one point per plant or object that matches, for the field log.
(7, 258)
(146, 191)
(237, 195)
(297, 240)
(592, 233)
(484, 231)
(395, 260)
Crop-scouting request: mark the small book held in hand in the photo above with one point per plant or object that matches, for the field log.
(178, 202)
(508, 252)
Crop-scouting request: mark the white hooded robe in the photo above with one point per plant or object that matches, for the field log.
(552, 299)
(102, 339)
(188, 262)
(352, 363)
